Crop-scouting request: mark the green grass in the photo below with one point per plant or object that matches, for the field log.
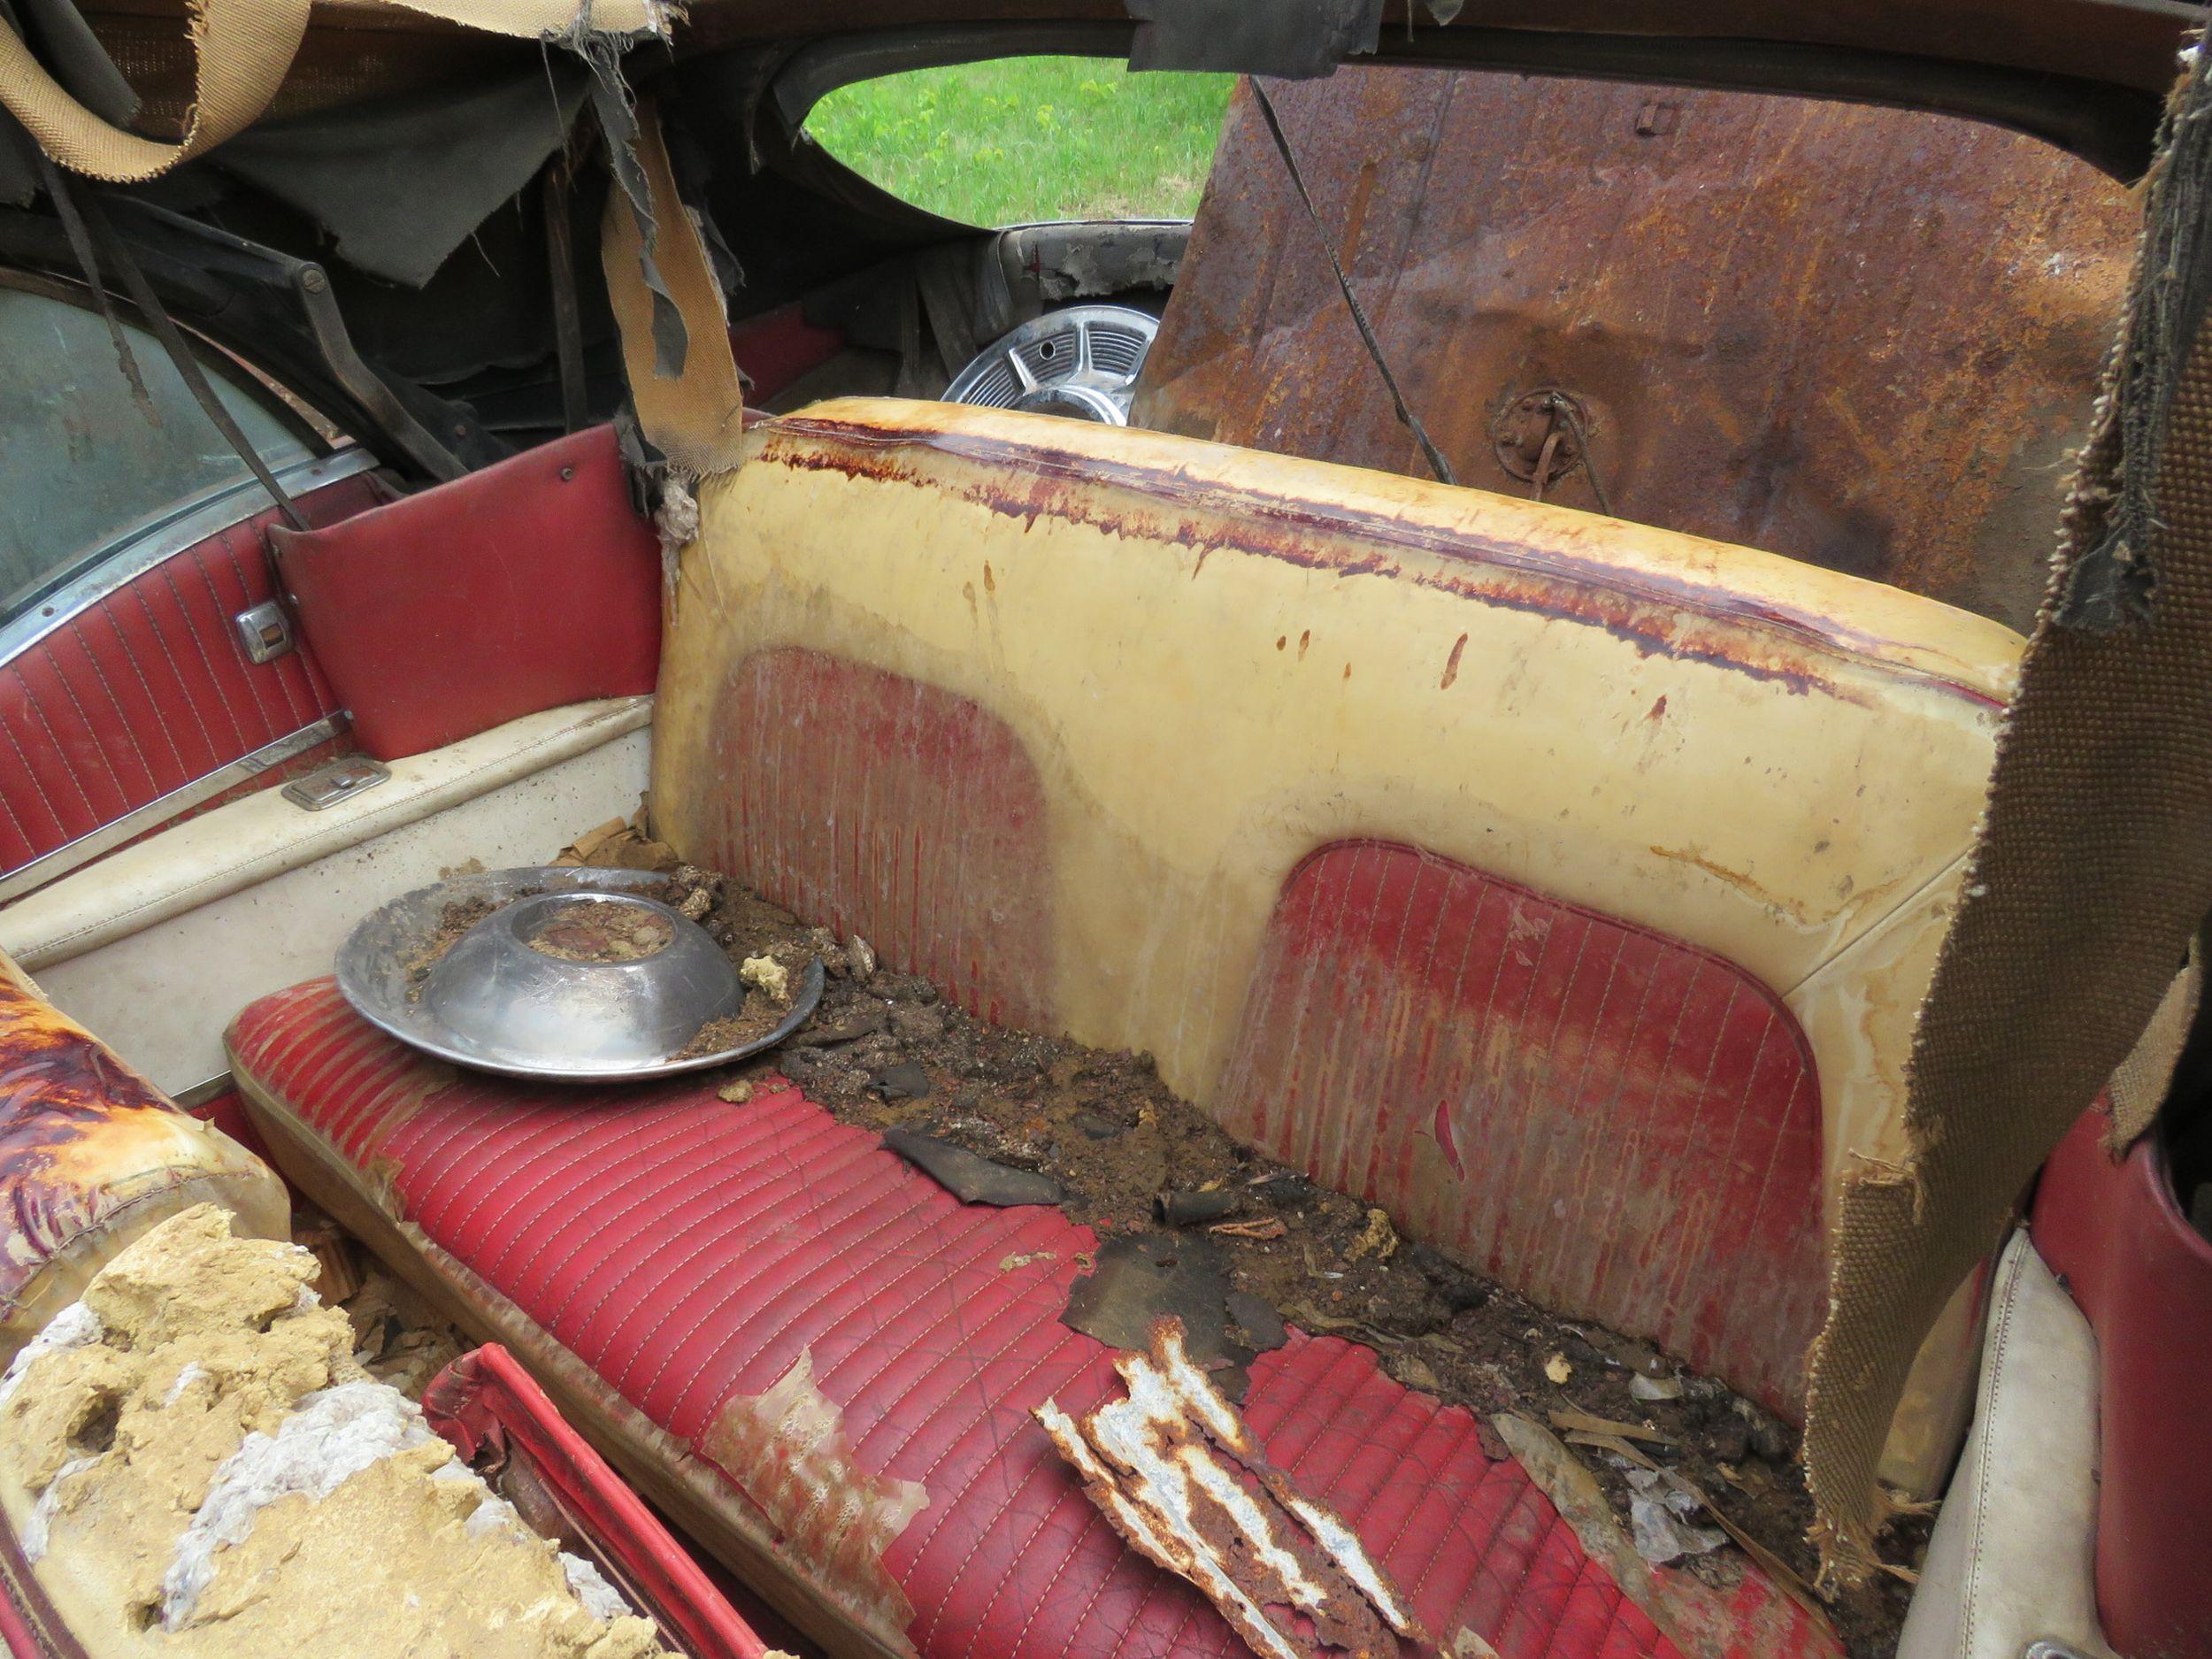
(1031, 138)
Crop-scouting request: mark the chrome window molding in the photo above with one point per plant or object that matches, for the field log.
(153, 540)
(73, 854)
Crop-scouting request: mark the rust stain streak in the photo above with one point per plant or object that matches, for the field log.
(1657, 614)
(1735, 879)
(786, 1448)
(1451, 664)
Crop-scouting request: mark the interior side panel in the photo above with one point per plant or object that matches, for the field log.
(2113, 1231)
(528, 585)
(150, 688)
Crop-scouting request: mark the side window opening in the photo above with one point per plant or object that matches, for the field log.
(1020, 140)
(82, 461)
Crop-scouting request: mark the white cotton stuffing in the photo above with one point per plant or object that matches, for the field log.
(74, 1326)
(494, 1514)
(333, 1433)
(589, 1586)
(39, 1523)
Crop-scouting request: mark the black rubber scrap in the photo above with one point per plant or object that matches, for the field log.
(969, 1176)
(904, 1081)
(1192, 1209)
(1141, 1278)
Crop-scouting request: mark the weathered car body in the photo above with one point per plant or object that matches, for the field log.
(1583, 859)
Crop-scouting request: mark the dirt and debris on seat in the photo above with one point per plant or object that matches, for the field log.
(397, 1338)
(457, 918)
(587, 931)
(888, 1051)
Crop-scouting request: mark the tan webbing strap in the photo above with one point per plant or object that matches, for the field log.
(2138, 1083)
(242, 49)
(2092, 872)
(695, 418)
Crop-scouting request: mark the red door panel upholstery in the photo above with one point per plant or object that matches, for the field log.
(2112, 1232)
(149, 688)
(895, 810)
(502, 1422)
(1615, 1123)
(525, 585)
(691, 1256)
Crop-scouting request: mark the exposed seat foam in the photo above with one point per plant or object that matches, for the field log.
(664, 1259)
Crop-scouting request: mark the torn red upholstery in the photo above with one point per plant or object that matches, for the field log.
(529, 585)
(2113, 1234)
(149, 688)
(692, 1257)
(1481, 1059)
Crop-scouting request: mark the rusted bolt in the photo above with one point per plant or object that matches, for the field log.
(1525, 426)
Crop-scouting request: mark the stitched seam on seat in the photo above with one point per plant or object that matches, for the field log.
(591, 1239)
(854, 1254)
(759, 1263)
(729, 1169)
(544, 1141)
(982, 1242)
(740, 1208)
(574, 1136)
(938, 1521)
(759, 1156)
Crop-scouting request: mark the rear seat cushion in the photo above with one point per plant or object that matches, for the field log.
(664, 1259)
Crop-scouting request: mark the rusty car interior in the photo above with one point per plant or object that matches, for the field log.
(1443, 933)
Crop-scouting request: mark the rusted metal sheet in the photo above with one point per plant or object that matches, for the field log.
(1182, 1477)
(1864, 338)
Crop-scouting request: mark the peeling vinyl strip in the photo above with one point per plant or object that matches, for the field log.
(1182, 1477)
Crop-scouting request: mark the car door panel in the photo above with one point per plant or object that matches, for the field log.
(132, 683)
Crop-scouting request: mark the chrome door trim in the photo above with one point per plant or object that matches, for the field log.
(53, 866)
(163, 535)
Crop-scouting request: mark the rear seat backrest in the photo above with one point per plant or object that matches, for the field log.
(1565, 887)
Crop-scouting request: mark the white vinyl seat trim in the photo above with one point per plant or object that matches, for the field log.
(248, 841)
(2013, 1558)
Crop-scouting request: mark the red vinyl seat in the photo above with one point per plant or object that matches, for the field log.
(667, 1262)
